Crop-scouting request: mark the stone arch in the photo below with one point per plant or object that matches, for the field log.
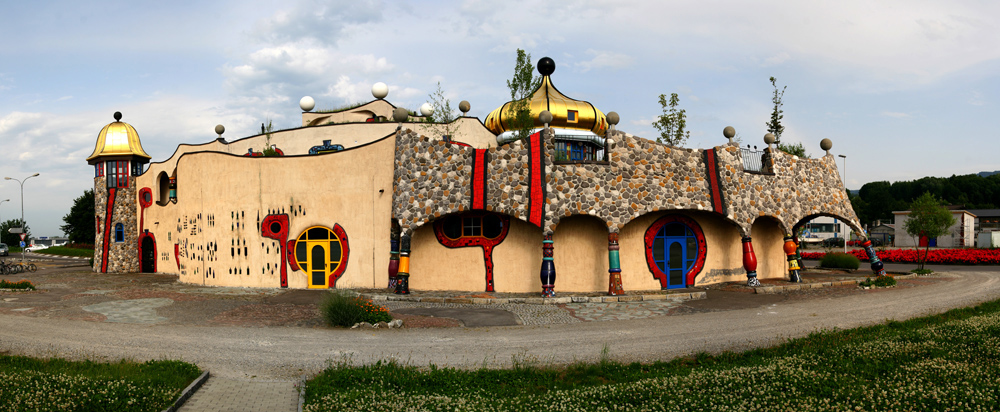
(853, 224)
(767, 235)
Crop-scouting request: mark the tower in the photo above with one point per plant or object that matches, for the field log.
(117, 159)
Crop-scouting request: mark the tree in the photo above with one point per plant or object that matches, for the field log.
(268, 150)
(521, 86)
(774, 126)
(443, 116)
(672, 122)
(928, 218)
(80, 220)
(12, 239)
(796, 149)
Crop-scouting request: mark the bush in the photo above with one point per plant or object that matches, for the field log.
(341, 308)
(24, 284)
(880, 281)
(839, 261)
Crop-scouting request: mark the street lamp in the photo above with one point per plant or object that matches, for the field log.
(21, 182)
(845, 188)
(1, 202)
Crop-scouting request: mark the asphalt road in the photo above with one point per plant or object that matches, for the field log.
(286, 352)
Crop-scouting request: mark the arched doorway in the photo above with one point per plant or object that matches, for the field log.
(322, 254)
(675, 250)
(148, 254)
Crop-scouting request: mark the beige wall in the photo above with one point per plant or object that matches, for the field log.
(768, 245)
(581, 254)
(220, 198)
(516, 262)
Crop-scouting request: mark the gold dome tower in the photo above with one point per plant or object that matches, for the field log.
(118, 139)
(566, 112)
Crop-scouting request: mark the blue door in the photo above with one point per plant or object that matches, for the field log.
(675, 250)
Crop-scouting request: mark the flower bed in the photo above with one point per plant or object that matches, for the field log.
(938, 256)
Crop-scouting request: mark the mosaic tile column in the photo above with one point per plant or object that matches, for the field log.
(750, 263)
(393, 262)
(877, 266)
(793, 262)
(548, 272)
(403, 275)
(614, 267)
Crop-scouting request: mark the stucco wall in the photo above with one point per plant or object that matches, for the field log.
(222, 198)
(580, 254)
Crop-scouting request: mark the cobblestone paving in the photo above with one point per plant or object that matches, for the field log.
(601, 312)
(237, 395)
(526, 314)
(131, 311)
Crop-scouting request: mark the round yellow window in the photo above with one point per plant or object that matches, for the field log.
(319, 252)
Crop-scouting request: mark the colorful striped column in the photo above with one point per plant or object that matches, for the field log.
(548, 272)
(750, 263)
(614, 267)
(793, 262)
(393, 262)
(403, 275)
(877, 266)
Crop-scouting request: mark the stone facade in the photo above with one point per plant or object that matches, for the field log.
(121, 257)
(434, 178)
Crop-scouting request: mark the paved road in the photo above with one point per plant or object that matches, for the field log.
(288, 352)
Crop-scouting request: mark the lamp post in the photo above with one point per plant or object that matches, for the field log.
(1, 202)
(845, 188)
(21, 182)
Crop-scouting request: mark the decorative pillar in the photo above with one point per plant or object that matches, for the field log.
(750, 263)
(548, 272)
(403, 275)
(793, 262)
(877, 266)
(393, 262)
(614, 267)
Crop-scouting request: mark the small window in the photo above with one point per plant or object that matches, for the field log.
(488, 226)
(119, 233)
(99, 170)
(571, 116)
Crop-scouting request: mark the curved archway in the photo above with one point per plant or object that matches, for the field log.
(162, 189)
(798, 226)
(580, 254)
(767, 235)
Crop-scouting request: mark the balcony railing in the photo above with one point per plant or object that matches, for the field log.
(757, 161)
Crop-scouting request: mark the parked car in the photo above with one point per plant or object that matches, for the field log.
(4, 251)
(35, 248)
(833, 242)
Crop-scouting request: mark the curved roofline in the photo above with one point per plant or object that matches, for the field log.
(352, 108)
(292, 156)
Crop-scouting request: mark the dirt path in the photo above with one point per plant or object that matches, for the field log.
(288, 352)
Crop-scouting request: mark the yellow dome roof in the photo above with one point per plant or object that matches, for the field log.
(118, 139)
(547, 97)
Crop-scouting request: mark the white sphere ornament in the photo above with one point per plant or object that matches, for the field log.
(380, 90)
(307, 103)
(426, 109)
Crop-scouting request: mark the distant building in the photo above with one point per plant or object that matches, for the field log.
(961, 234)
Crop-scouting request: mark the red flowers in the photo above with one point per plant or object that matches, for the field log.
(939, 256)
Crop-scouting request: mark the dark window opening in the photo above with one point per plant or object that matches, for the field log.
(119, 233)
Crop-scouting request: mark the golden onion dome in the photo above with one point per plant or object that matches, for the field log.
(118, 139)
(566, 112)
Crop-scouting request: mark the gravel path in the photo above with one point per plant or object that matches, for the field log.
(288, 352)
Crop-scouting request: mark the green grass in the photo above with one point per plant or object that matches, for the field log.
(59, 384)
(67, 251)
(940, 362)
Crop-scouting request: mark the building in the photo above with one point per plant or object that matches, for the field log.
(364, 197)
(960, 234)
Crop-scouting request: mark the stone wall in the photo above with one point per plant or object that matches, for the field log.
(434, 178)
(122, 257)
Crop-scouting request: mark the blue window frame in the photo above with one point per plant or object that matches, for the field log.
(119, 233)
(675, 251)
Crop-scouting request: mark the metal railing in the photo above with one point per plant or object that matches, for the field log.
(756, 161)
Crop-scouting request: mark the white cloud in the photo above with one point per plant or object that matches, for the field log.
(605, 59)
(776, 59)
(895, 115)
(976, 98)
(324, 21)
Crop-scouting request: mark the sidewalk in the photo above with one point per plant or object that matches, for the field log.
(243, 395)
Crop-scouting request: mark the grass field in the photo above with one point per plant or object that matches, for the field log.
(949, 361)
(29, 384)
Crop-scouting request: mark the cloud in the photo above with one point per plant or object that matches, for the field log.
(605, 59)
(326, 22)
(895, 115)
(776, 59)
(977, 98)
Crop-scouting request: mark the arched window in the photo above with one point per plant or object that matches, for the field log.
(675, 250)
(119, 233)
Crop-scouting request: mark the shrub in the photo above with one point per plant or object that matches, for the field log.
(24, 284)
(341, 308)
(879, 281)
(839, 261)
(922, 271)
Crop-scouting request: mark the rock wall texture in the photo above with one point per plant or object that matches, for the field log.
(121, 257)
(434, 178)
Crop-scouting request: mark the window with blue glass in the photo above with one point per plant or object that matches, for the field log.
(675, 251)
(574, 151)
(119, 233)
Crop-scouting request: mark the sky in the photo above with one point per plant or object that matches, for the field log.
(904, 89)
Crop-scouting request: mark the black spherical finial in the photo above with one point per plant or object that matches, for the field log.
(546, 66)
(118, 116)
